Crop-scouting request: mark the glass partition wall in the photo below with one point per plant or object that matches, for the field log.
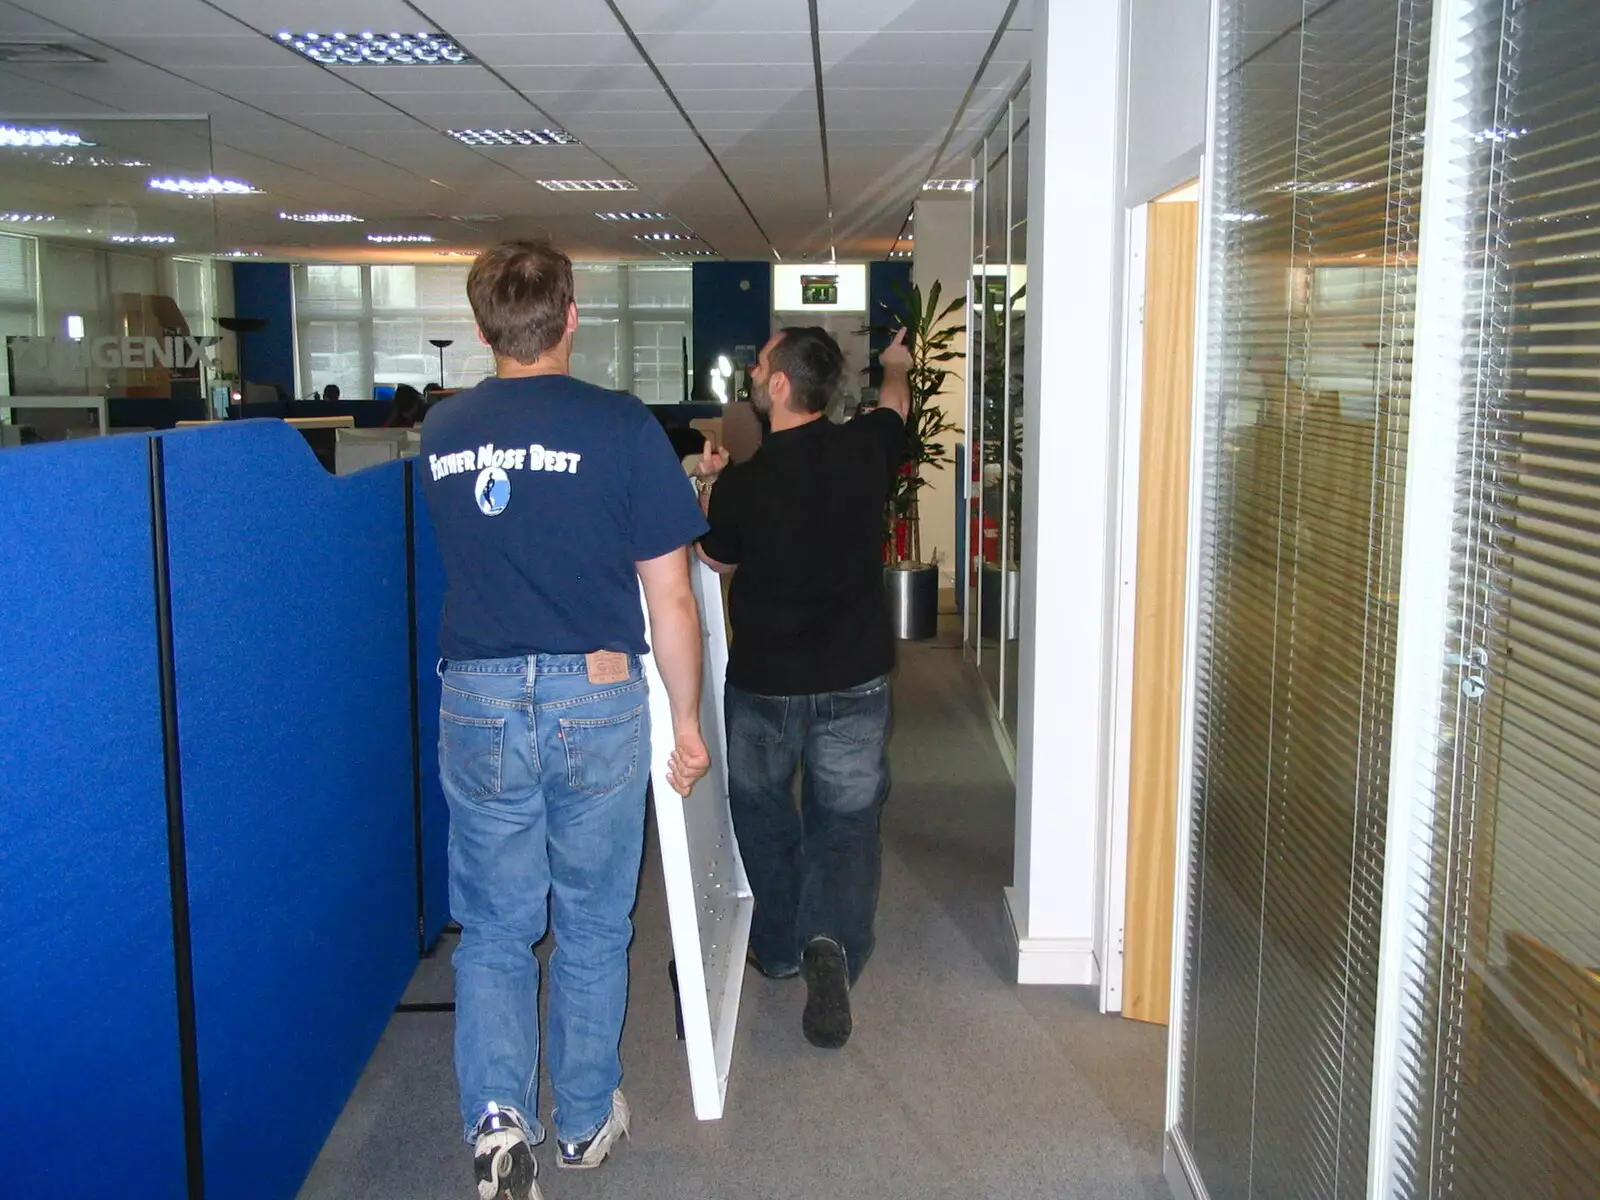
(1391, 892)
(995, 323)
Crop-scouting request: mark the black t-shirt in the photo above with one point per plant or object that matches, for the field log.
(803, 521)
(545, 492)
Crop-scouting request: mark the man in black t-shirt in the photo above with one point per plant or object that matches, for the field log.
(554, 502)
(800, 528)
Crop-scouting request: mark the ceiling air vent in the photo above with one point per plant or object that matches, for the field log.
(44, 52)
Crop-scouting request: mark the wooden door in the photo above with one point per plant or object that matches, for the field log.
(1170, 263)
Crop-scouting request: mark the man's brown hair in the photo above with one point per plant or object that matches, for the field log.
(520, 293)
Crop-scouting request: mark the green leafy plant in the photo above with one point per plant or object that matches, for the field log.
(932, 345)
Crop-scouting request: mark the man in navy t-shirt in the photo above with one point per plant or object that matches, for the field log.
(553, 501)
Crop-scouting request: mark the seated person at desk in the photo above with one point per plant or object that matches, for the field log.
(408, 408)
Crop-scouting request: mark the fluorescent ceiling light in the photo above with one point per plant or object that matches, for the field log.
(321, 218)
(388, 239)
(586, 185)
(457, 253)
(514, 137)
(92, 160)
(211, 186)
(688, 254)
(144, 239)
(634, 216)
(899, 254)
(16, 138)
(950, 185)
(665, 235)
(21, 218)
(369, 49)
(242, 254)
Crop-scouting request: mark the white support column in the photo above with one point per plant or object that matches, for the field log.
(1072, 373)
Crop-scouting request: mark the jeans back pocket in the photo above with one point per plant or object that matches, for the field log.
(470, 750)
(602, 752)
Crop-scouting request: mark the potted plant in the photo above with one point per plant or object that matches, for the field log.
(914, 584)
(1000, 439)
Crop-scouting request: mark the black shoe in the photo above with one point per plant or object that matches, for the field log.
(826, 1021)
(780, 973)
(502, 1159)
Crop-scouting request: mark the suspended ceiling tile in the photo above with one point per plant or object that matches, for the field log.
(97, 18)
(632, 75)
(384, 80)
(798, 75)
(552, 50)
(234, 50)
(710, 49)
(286, 79)
(347, 16)
(468, 17)
(974, 15)
(20, 95)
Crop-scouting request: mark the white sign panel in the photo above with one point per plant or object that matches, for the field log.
(708, 898)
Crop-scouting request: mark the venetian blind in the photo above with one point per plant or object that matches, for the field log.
(1314, 209)
(1499, 1076)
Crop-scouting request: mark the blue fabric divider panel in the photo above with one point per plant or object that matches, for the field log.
(435, 812)
(732, 316)
(88, 1012)
(267, 290)
(289, 630)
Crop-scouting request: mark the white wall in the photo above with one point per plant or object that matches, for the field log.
(1168, 44)
(942, 252)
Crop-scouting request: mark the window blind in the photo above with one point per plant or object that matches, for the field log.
(1499, 1087)
(1315, 224)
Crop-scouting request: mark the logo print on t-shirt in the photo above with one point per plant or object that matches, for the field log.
(492, 491)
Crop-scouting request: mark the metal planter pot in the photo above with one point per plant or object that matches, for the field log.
(913, 600)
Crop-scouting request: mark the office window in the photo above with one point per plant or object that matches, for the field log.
(19, 293)
(365, 326)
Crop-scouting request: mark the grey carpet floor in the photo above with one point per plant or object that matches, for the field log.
(956, 1084)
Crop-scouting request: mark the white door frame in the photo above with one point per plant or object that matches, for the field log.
(1114, 880)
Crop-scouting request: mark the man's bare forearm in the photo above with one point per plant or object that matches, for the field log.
(896, 390)
(675, 639)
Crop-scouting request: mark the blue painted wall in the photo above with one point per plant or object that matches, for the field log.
(732, 309)
(883, 278)
(267, 290)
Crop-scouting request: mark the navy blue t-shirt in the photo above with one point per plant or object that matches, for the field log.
(544, 493)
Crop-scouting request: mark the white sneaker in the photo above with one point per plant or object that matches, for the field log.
(593, 1150)
(502, 1159)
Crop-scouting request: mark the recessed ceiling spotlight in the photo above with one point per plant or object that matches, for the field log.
(634, 216)
(321, 218)
(211, 186)
(514, 137)
(391, 239)
(144, 239)
(665, 235)
(950, 185)
(242, 254)
(587, 185)
(28, 139)
(21, 218)
(899, 254)
(688, 254)
(369, 49)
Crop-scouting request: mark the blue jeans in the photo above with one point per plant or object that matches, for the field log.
(545, 776)
(813, 869)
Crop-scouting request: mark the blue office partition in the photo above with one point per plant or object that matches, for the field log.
(291, 640)
(89, 1065)
(435, 816)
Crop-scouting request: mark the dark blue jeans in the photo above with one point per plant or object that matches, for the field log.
(813, 868)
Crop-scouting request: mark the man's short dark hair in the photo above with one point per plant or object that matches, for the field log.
(331, 392)
(812, 360)
(520, 293)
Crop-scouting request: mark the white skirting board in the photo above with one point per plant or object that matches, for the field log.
(709, 904)
(1048, 960)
